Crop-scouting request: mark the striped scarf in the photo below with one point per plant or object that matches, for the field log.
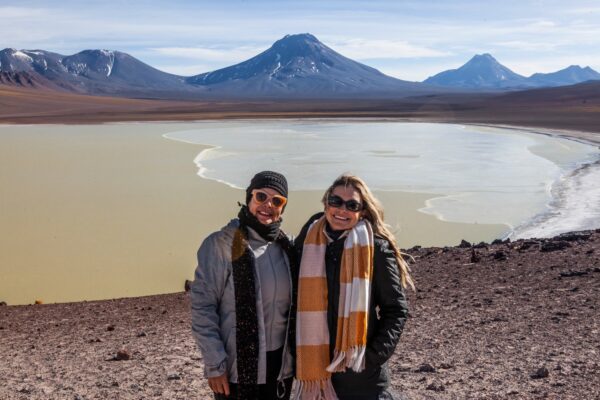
(314, 366)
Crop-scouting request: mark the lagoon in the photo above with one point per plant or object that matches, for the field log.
(117, 210)
(481, 175)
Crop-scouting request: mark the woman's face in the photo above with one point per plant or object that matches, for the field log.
(265, 211)
(340, 218)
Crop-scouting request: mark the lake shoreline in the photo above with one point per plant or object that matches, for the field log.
(120, 185)
(124, 212)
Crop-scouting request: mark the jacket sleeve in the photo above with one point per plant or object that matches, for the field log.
(206, 292)
(388, 295)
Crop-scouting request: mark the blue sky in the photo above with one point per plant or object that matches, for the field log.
(406, 39)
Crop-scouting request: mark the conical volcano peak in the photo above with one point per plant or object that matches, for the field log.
(481, 71)
(302, 65)
(297, 38)
(485, 58)
(302, 44)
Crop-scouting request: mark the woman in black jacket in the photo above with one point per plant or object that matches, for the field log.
(351, 302)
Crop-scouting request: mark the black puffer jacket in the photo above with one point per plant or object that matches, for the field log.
(385, 325)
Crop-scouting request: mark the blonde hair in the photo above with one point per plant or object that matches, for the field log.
(373, 212)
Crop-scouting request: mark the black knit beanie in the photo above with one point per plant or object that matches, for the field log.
(267, 179)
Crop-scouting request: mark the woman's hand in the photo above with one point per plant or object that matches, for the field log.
(219, 384)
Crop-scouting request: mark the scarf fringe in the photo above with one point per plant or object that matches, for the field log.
(315, 390)
(354, 359)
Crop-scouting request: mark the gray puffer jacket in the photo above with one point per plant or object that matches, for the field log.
(213, 305)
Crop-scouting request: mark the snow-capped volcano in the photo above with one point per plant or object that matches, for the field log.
(481, 71)
(301, 65)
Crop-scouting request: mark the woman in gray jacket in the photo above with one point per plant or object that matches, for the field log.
(243, 298)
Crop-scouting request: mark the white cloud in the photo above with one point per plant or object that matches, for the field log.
(9, 13)
(523, 45)
(210, 54)
(583, 10)
(383, 49)
(541, 25)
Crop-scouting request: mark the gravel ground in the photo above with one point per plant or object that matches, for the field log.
(514, 320)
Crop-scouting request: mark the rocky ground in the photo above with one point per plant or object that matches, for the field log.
(511, 320)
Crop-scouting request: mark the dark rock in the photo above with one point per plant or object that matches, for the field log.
(562, 314)
(95, 340)
(173, 377)
(464, 244)
(426, 368)
(570, 274)
(110, 328)
(474, 256)
(497, 241)
(187, 286)
(528, 244)
(2, 303)
(555, 245)
(574, 236)
(122, 355)
(142, 334)
(481, 245)
(541, 373)
(446, 366)
(436, 387)
(500, 255)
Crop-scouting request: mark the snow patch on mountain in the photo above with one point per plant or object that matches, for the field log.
(23, 56)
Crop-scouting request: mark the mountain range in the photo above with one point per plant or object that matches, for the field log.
(484, 72)
(296, 66)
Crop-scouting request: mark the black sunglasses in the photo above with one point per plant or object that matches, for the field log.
(338, 202)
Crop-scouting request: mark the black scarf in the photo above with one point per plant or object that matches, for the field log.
(333, 234)
(268, 232)
(247, 341)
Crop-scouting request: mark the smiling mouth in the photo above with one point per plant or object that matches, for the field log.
(264, 214)
(341, 218)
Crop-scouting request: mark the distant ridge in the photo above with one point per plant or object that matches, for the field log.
(483, 71)
(569, 76)
(295, 67)
(96, 72)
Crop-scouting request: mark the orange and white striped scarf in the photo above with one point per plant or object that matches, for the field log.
(313, 364)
